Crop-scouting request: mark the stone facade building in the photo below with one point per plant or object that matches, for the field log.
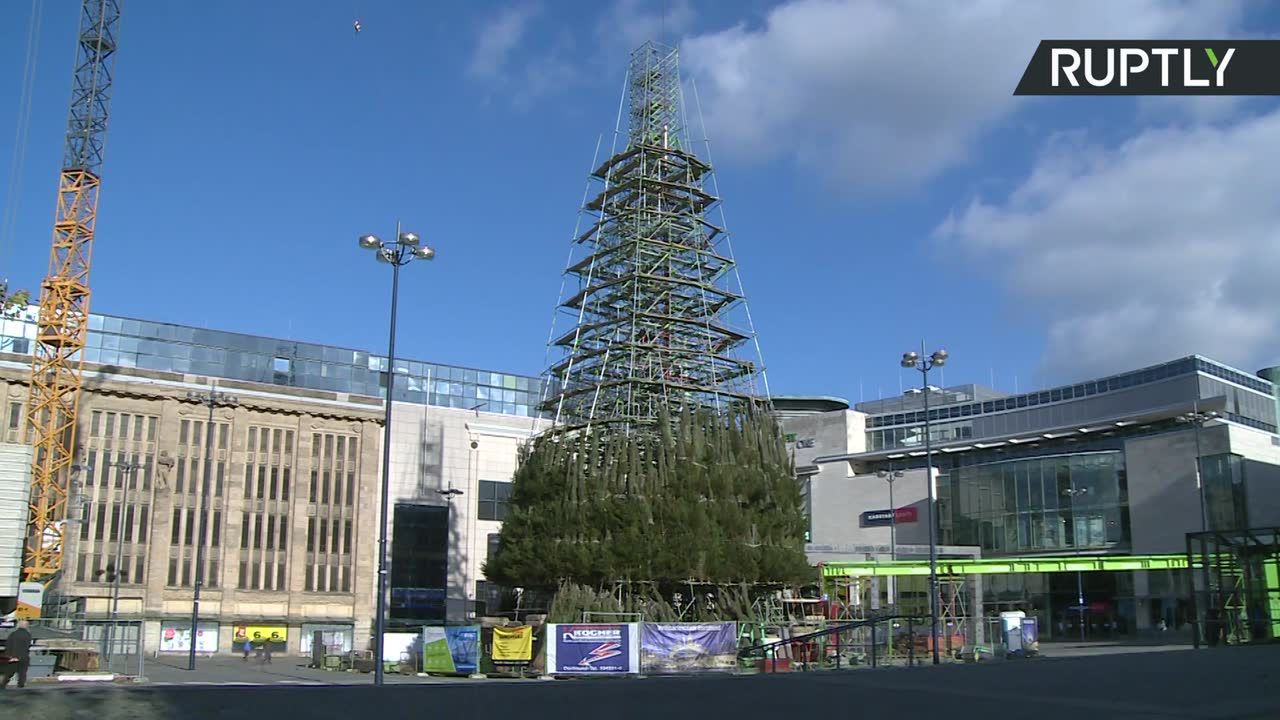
(291, 516)
(293, 486)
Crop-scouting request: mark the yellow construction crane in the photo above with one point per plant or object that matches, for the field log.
(57, 365)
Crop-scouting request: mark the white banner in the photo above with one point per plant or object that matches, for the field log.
(176, 637)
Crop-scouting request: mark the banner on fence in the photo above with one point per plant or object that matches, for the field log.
(513, 644)
(452, 650)
(593, 649)
(688, 647)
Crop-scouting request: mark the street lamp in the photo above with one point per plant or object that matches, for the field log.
(405, 249)
(213, 399)
(889, 476)
(1197, 419)
(917, 361)
(449, 494)
(1073, 493)
(129, 470)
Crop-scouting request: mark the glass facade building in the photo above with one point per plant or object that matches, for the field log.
(1249, 401)
(1043, 504)
(143, 344)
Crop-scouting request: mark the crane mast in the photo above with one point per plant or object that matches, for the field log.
(58, 362)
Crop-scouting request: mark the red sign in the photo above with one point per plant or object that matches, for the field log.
(908, 514)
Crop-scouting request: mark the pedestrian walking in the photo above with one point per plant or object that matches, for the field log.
(17, 648)
(248, 648)
(266, 653)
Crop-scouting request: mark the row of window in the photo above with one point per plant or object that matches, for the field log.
(323, 536)
(101, 568)
(263, 532)
(171, 348)
(1184, 366)
(185, 524)
(1037, 504)
(96, 524)
(123, 426)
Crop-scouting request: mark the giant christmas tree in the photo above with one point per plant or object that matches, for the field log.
(663, 467)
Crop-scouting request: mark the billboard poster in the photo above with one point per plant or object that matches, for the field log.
(689, 647)
(1031, 635)
(593, 649)
(513, 644)
(30, 600)
(275, 636)
(176, 637)
(454, 649)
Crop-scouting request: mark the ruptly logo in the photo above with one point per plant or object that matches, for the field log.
(1146, 67)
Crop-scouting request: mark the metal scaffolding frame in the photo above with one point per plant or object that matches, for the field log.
(1235, 591)
(653, 314)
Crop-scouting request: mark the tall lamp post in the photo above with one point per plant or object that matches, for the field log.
(1197, 419)
(917, 361)
(449, 494)
(403, 250)
(890, 476)
(128, 471)
(213, 399)
(1073, 493)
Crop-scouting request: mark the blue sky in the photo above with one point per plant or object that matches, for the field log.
(881, 183)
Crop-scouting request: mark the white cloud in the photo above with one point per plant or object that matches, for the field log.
(888, 93)
(498, 38)
(1165, 246)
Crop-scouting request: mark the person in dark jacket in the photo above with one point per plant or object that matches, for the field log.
(17, 648)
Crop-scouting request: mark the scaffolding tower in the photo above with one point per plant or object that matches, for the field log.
(654, 317)
(1235, 585)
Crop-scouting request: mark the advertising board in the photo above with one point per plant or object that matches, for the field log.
(593, 649)
(277, 636)
(176, 637)
(670, 648)
(454, 649)
(512, 644)
(901, 516)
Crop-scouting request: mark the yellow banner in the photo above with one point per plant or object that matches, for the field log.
(261, 634)
(513, 644)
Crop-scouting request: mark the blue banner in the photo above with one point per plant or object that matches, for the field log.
(596, 649)
(451, 650)
(667, 648)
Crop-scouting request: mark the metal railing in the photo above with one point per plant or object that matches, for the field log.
(881, 641)
(77, 645)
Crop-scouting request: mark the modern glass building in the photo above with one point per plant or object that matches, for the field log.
(1249, 402)
(1124, 465)
(144, 344)
(1046, 471)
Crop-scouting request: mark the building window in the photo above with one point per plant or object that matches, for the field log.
(494, 497)
(266, 479)
(1225, 499)
(333, 457)
(1065, 502)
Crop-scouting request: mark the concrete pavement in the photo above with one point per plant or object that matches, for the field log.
(1238, 683)
(224, 670)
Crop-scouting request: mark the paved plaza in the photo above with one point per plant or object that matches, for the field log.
(224, 670)
(1220, 684)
